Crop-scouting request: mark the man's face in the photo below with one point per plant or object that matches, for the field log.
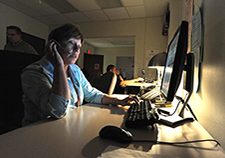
(13, 36)
(114, 70)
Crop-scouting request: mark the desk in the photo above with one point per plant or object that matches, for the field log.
(136, 87)
(139, 84)
(76, 135)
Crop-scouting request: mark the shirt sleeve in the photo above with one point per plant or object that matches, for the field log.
(92, 94)
(89, 93)
(56, 106)
(36, 85)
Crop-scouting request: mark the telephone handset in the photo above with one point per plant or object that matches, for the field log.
(57, 43)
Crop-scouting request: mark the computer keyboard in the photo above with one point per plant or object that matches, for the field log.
(151, 94)
(141, 115)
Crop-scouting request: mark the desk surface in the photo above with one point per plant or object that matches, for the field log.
(76, 135)
(140, 84)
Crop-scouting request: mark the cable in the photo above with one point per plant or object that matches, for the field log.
(188, 107)
(168, 114)
(181, 100)
(177, 143)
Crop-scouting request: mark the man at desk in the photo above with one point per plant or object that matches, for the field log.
(121, 83)
(15, 42)
(54, 85)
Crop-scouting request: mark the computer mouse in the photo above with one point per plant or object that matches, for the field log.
(116, 134)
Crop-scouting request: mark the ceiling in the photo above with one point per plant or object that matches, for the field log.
(58, 12)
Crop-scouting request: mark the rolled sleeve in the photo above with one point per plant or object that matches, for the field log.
(38, 98)
(57, 106)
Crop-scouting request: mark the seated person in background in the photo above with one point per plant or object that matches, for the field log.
(54, 84)
(121, 81)
(15, 42)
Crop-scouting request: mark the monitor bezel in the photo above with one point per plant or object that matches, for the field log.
(179, 62)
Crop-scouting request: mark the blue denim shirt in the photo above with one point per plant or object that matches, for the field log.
(40, 102)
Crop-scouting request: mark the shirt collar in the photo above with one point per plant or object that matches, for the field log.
(16, 43)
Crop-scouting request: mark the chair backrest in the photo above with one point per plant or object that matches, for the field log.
(112, 85)
(106, 83)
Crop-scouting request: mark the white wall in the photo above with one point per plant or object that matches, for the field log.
(208, 102)
(147, 34)
(11, 16)
(84, 48)
(110, 54)
(175, 17)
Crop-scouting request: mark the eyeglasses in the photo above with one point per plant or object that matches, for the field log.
(64, 48)
(11, 34)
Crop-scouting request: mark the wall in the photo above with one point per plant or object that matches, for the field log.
(11, 16)
(84, 48)
(176, 8)
(155, 43)
(147, 34)
(208, 102)
(110, 54)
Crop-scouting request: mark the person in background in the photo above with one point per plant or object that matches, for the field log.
(15, 42)
(120, 80)
(55, 84)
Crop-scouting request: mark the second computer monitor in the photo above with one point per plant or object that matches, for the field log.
(175, 60)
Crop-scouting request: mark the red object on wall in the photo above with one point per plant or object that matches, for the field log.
(88, 51)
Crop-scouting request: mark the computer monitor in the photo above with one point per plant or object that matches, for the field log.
(175, 61)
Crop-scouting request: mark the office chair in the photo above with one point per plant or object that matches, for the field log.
(106, 83)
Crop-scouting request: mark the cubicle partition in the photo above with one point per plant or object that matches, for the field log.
(11, 65)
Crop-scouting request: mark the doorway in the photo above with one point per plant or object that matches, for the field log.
(93, 67)
(126, 66)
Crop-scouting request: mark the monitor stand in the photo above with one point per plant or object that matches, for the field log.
(178, 117)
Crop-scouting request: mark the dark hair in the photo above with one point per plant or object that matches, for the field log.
(18, 30)
(110, 67)
(65, 32)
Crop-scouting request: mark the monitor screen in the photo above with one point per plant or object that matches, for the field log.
(175, 60)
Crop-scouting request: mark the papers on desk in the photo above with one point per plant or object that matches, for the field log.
(112, 152)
